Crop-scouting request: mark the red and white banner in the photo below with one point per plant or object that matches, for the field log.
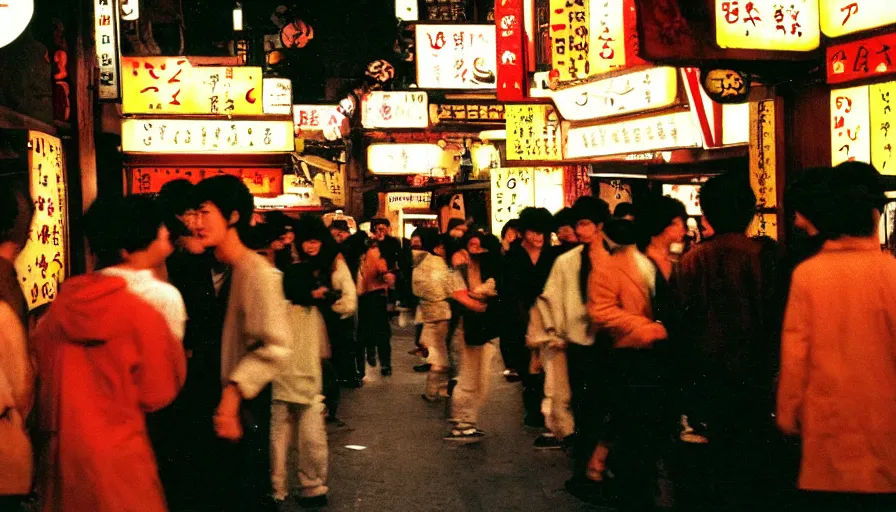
(510, 38)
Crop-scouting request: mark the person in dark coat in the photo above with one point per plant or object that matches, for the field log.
(526, 268)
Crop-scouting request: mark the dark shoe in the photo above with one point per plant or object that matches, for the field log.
(464, 433)
(430, 399)
(451, 385)
(351, 383)
(386, 371)
(336, 422)
(586, 490)
(547, 442)
(422, 368)
(371, 359)
(512, 376)
(314, 502)
(534, 421)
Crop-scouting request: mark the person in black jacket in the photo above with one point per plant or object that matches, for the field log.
(526, 268)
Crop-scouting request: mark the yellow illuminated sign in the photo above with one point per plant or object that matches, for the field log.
(768, 25)
(883, 128)
(763, 153)
(171, 85)
(842, 17)
(163, 136)
(533, 133)
(850, 123)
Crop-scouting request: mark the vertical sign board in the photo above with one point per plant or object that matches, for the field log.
(842, 17)
(512, 189)
(533, 133)
(850, 123)
(41, 265)
(510, 55)
(106, 35)
(570, 31)
(883, 128)
(608, 35)
(763, 153)
(768, 25)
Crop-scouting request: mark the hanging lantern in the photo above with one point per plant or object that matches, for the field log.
(296, 34)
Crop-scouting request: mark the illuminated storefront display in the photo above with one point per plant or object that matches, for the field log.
(201, 136)
(842, 17)
(767, 25)
(456, 57)
(42, 264)
(149, 180)
(171, 85)
(402, 109)
(515, 188)
(668, 131)
(625, 94)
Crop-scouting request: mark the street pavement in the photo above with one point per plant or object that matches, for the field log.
(401, 463)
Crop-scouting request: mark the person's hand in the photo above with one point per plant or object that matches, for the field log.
(227, 416)
(389, 279)
(651, 333)
(320, 293)
(478, 306)
(535, 366)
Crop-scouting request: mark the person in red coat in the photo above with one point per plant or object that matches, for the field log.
(108, 351)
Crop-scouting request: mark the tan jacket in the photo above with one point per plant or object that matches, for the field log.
(619, 297)
(16, 400)
(838, 368)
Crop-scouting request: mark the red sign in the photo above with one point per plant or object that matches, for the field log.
(865, 58)
(510, 37)
(261, 181)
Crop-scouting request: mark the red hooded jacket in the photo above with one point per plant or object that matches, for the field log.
(105, 357)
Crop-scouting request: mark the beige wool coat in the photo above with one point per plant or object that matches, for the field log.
(837, 387)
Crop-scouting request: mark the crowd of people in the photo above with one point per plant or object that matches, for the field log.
(709, 371)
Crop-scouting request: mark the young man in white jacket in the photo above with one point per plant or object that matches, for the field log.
(560, 328)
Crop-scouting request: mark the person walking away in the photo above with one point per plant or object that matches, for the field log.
(620, 306)
(726, 341)
(837, 389)
(568, 353)
(16, 366)
(255, 345)
(475, 337)
(526, 267)
(374, 329)
(297, 416)
(108, 351)
(433, 284)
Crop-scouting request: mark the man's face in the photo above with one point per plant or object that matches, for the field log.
(340, 235)
(189, 219)
(416, 243)
(211, 225)
(567, 234)
(311, 247)
(511, 236)
(586, 230)
(534, 239)
(675, 232)
(380, 232)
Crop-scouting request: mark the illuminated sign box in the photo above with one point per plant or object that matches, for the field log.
(314, 117)
(149, 180)
(456, 57)
(206, 136)
(466, 114)
(625, 94)
(277, 96)
(399, 159)
(669, 131)
(171, 85)
(402, 109)
(533, 133)
(768, 25)
(865, 58)
(14, 19)
(850, 124)
(842, 17)
(106, 39)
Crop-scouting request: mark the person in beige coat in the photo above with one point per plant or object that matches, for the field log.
(837, 387)
(16, 368)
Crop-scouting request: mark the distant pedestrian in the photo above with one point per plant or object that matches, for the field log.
(375, 280)
(837, 388)
(108, 351)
